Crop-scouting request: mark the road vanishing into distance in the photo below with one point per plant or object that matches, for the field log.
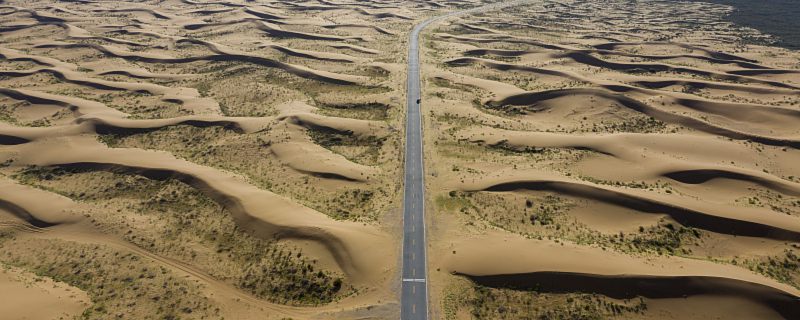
(414, 296)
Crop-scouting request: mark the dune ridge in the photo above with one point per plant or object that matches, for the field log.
(621, 276)
(260, 212)
(731, 220)
(189, 98)
(628, 148)
(585, 57)
(508, 95)
(39, 208)
(270, 63)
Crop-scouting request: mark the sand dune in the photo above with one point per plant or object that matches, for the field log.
(263, 14)
(382, 15)
(530, 98)
(696, 176)
(710, 53)
(651, 84)
(316, 55)
(735, 111)
(240, 57)
(276, 32)
(144, 74)
(189, 98)
(77, 105)
(39, 16)
(355, 48)
(12, 140)
(14, 55)
(214, 3)
(318, 161)
(98, 124)
(205, 12)
(564, 270)
(708, 58)
(500, 89)
(598, 159)
(297, 153)
(359, 26)
(260, 212)
(80, 232)
(362, 128)
(82, 34)
(154, 13)
(584, 57)
(27, 296)
(733, 221)
(80, 76)
(506, 96)
(273, 30)
(39, 208)
(133, 126)
(658, 84)
(694, 168)
(764, 71)
(616, 156)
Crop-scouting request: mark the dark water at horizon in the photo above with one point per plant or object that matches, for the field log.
(779, 18)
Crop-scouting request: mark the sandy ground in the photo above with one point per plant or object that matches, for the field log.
(198, 159)
(611, 160)
(242, 159)
(26, 296)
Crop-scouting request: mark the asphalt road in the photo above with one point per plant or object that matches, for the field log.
(414, 296)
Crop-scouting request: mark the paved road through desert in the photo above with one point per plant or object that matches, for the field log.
(414, 298)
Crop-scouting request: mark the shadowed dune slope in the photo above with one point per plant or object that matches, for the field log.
(727, 221)
(620, 276)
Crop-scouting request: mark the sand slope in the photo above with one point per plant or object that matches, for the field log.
(26, 296)
(611, 151)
